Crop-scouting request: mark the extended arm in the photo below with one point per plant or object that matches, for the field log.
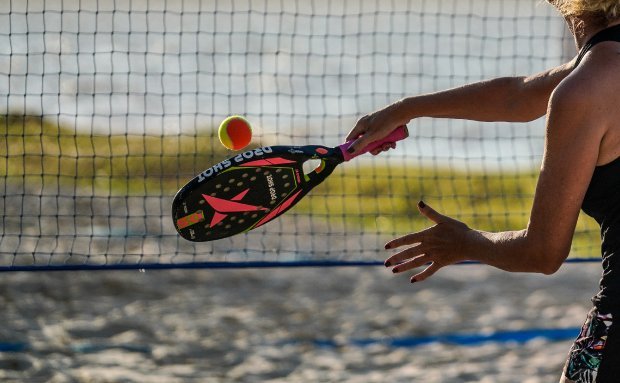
(515, 99)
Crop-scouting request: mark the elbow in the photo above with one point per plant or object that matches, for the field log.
(545, 256)
(549, 268)
(550, 261)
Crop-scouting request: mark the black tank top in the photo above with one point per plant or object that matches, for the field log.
(602, 202)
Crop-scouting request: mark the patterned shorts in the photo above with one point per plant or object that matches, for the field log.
(586, 355)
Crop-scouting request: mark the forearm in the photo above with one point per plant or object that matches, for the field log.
(500, 99)
(514, 99)
(514, 251)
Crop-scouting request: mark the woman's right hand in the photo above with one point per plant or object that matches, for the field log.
(377, 125)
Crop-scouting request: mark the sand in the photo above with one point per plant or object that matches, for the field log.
(285, 325)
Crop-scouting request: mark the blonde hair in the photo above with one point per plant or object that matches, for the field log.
(607, 9)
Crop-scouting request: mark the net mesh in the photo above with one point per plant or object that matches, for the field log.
(108, 107)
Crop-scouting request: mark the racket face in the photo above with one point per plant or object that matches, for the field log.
(247, 191)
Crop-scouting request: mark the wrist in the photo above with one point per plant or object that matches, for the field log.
(408, 108)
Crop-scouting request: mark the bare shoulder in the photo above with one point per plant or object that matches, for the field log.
(585, 102)
(595, 80)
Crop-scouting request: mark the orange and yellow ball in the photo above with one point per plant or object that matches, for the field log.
(235, 132)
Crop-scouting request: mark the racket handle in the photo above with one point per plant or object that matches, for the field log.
(397, 134)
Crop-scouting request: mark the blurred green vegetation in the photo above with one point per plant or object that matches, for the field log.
(45, 154)
(363, 196)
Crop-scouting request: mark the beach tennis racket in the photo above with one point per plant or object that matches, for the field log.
(252, 188)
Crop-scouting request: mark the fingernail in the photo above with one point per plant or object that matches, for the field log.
(387, 264)
(388, 246)
(395, 270)
(421, 204)
(413, 280)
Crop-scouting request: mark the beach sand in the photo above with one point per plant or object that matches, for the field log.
(285, 325)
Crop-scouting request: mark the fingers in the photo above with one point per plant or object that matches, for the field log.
(431, 214)
(362, 142)
(435, 246)
(418, 237)
(408, 239)
(429, 271)
(362, 136)
(412, 263)
(384, 148)
(409, 253)
(358, 130)
(424, 259)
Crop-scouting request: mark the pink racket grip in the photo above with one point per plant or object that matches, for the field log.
(397, 134)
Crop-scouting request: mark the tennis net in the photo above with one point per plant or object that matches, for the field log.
(109, 107)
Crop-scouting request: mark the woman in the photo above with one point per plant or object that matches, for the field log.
(580, 170)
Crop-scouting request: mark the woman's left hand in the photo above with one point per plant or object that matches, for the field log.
(445, 243)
